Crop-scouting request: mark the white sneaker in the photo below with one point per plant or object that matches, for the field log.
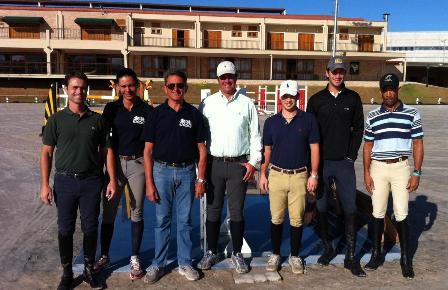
(273, 263)
(189, 272)
(297, 264)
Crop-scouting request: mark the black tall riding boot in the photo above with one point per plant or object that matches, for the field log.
(89, 247)
(350, 262)
(406, 260)
(377, 258)
(329, 253)
(66, 254)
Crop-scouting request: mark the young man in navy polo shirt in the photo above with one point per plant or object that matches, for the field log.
(393, 133)
(126, 118)
(288, 138)
(79, 136)
(338, 111)
(174, 137)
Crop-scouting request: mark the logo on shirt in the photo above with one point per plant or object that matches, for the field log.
(93, 128)
(185, 123)
(138, 120)
(347, 108)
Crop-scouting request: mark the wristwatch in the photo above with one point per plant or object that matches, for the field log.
(417, 173)
(200, 180)
(314, 176)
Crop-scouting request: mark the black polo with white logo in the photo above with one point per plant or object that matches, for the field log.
(175, 134)
(127, 126)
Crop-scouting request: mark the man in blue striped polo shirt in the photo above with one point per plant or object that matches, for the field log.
(393, 132)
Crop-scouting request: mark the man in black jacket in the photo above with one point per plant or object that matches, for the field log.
(339, 113)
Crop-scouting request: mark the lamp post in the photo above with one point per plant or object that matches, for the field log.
(335, 26)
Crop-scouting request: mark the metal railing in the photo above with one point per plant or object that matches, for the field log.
(18, 67)
(140, 40)
(21, 33)
(231, 44)
(295, 45)
(93, 68)
(87, 34)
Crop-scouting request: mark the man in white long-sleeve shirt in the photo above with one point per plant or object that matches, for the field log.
(234, 144)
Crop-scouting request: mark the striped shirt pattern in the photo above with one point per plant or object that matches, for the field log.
(392, 132)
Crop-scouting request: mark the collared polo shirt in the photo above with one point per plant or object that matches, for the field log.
(127, 126)
(234, 128)
(291, 141)
(175, 134)
(77, 140)
(392, 132)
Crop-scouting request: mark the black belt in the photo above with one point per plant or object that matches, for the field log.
(288, 171)
(242, 158)
(77, 175)
(395, 160)
(130, 157)
(173, 164)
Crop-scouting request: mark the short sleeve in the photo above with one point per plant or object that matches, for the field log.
(417, 129)
(267, 136)
(368, 132)
(49, 136)
(201, 128)
(314, 136)
(149, 131)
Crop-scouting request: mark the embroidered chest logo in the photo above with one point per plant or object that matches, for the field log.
(185, 123)
(138, 120)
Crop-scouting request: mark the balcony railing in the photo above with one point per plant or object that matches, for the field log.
(21, 33)
(87, 34)
(140, 40)
(366, 47)
(19, 67)
(231, 44)
(295, 45)
(93, 68)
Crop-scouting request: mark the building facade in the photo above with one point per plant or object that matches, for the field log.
(426, 55)
(46, 39)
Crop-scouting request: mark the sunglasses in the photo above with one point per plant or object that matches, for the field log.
(180, 86)
(226, 76)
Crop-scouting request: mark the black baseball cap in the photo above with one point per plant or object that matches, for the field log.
(336, 62)
(389, 80)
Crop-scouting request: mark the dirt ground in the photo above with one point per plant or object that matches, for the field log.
(28, 244)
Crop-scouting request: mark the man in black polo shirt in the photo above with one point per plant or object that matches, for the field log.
(175, 141)
(288, 137)
(79, 136)
(126, 118)
(338, 111)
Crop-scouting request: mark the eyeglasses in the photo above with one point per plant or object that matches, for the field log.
(180, 86)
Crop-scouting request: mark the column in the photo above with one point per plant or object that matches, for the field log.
(198, 33)
(325, 37)
(125, 53)
(262, 35)
(48, 51)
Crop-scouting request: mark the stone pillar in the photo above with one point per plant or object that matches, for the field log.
(125, 53)
(198, 33)
(325, 37)
(262, 36)
(48, 51)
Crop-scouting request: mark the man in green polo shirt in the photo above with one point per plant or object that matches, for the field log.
(79, 136)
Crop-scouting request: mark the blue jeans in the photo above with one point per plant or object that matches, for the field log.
(175, 187)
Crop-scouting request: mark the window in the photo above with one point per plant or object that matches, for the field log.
(296, 69)
(236, 31)
(243, 67)
(156, 66)
(354, 68)
(252, 34)
(343, 34)
(155, 28)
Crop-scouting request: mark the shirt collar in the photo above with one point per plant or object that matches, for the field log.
(68, 111)
(234, 97)
(184, 106)
(397, 109)
(342, 89)
(298, 115)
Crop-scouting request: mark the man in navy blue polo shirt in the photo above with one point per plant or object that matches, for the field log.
(174, 137)
(126, 118)
(393, 133)
(288, 139)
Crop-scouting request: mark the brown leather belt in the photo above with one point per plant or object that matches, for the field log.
(130, 157)
(288, 171)
(242, 158)
(395, 160)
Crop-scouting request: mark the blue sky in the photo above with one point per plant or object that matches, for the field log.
(406, 15)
